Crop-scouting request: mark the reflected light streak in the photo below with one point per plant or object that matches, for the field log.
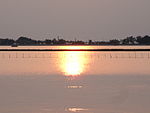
(73, 64)
(75, 47)
(75, 87)
(76, 109)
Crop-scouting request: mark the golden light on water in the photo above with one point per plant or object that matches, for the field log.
(76, 109)
(75, 47)
(73, 63)
(74, 87)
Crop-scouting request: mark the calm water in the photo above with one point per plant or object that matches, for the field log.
(75, 82)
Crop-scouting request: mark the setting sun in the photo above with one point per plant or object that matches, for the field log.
(73, 68)
(73, 64)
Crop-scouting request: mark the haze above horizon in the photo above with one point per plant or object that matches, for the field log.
(81, 19)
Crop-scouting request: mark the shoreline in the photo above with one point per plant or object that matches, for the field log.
(72, 45)
(74, 49)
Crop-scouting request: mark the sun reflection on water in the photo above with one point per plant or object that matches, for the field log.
(73, 63)
(76, 109)
(74, 87)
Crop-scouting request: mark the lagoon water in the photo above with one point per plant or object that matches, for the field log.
(75, 82)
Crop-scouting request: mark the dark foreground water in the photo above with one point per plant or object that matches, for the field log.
(74, 82)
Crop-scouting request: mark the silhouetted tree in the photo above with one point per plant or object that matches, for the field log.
(139, 39)
(25, 41)
(114, 42)
(61, 41)
(48, 42)
(90, 42)
(129, 41)
(6, 41)
(144, 41)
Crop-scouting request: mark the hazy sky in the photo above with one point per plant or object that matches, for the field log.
(81, 19)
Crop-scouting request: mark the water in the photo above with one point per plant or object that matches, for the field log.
(75, 82)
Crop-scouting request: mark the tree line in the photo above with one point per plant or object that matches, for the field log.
(139, 40)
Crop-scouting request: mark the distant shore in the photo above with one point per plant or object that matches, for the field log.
(71, 45)
(25, 41)
(74, 49)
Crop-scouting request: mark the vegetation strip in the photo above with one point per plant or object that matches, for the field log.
(139, 40)
(74, 49)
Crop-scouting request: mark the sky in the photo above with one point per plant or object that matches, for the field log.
(70, 19)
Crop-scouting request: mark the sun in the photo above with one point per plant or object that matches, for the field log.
(73, 68)
(73, 64)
